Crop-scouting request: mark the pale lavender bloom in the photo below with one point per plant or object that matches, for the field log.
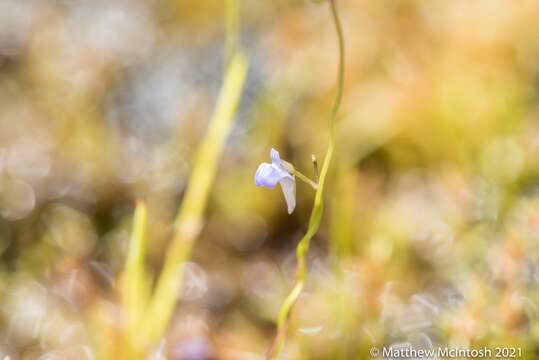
(270, 174)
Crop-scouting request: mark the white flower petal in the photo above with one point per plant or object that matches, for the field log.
(288, 185)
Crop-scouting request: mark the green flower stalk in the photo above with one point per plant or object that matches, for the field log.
(318, 206)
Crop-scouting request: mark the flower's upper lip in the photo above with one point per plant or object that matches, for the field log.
(275, 158)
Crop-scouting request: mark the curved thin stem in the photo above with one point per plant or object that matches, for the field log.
(340, 84)
(316, 214)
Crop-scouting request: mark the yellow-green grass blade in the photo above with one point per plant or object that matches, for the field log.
(190, 216)
(135, 283)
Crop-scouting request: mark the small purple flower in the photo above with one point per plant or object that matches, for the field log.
(270, 174)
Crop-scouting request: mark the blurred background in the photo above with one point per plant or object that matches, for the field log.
(431, 231)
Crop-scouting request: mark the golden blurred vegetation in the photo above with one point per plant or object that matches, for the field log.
(430, 235)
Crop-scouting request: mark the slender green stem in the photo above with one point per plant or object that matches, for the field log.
(316, 214)
(340, 85)
(306, 180)
(291, 169)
